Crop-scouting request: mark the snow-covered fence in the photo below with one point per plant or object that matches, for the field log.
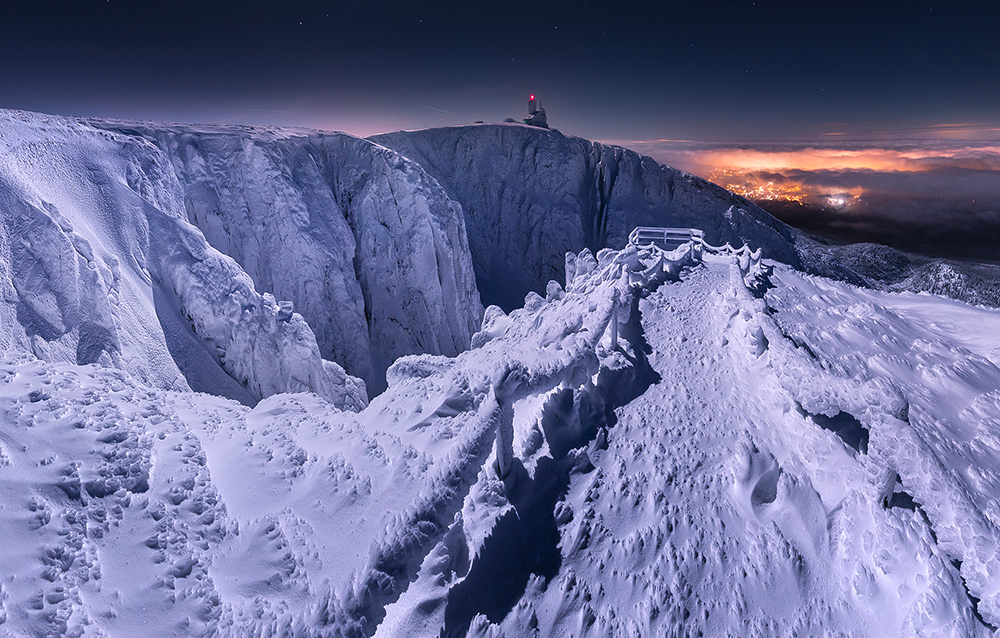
(659, 255)
(672, 238)
(752, 272)
(665, 237)
(602, 290)
(748, 260)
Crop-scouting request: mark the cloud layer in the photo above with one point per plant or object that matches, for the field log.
(935, 196)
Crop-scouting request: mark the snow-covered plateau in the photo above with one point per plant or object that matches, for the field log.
(249, 388)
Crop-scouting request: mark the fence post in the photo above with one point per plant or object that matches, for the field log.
(614, 320)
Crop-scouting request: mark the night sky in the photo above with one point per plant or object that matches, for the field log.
(861, 121)
(629, 71)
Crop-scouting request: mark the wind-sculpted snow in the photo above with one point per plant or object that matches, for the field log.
(369, 249)
(691, 442)
(531, 195)
(884, 268)
(160, 512)
(759, 491)
(927, 371)
(100, 266)
(671, 443)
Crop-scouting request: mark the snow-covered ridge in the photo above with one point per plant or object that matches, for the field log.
(767, 488)
(175, 480)
(366, 245)
(693, 439)
(531, 195)
(380, 256)
(98, 264)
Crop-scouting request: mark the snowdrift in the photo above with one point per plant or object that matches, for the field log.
(671, 443)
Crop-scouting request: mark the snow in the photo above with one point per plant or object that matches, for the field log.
(95, 245)
(687, 472)
(531, 195)
(720, 506)
(368, 247)
(696, 441)
(939, 359)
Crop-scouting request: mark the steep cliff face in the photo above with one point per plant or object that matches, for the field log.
(530, 195)
(386, 252)
(370, 249)
(101, 266)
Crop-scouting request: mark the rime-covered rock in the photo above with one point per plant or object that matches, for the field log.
(531, 195)
(100, 265)
(370, 249)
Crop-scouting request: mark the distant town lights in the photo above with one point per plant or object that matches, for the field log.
(748, 187)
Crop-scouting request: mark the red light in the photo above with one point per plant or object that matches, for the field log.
(532, 97)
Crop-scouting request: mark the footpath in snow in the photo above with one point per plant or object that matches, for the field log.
(673, 443)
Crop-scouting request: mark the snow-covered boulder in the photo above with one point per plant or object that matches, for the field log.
(98, 264)
(531, 195)
(369, 248)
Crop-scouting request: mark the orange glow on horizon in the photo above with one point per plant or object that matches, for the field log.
(819, 159)
(823, 176)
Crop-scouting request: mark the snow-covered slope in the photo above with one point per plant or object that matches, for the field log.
(693, 442)
(369, 249)
(530, 195)
(884, 268)
(666, 446)
(98, 264)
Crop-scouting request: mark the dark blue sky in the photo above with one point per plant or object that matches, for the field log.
(628, 71)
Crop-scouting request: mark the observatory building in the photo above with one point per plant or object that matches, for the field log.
(536, 114)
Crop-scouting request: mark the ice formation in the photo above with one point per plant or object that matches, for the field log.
(370, 250)
(666, 442)
(99, 265)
